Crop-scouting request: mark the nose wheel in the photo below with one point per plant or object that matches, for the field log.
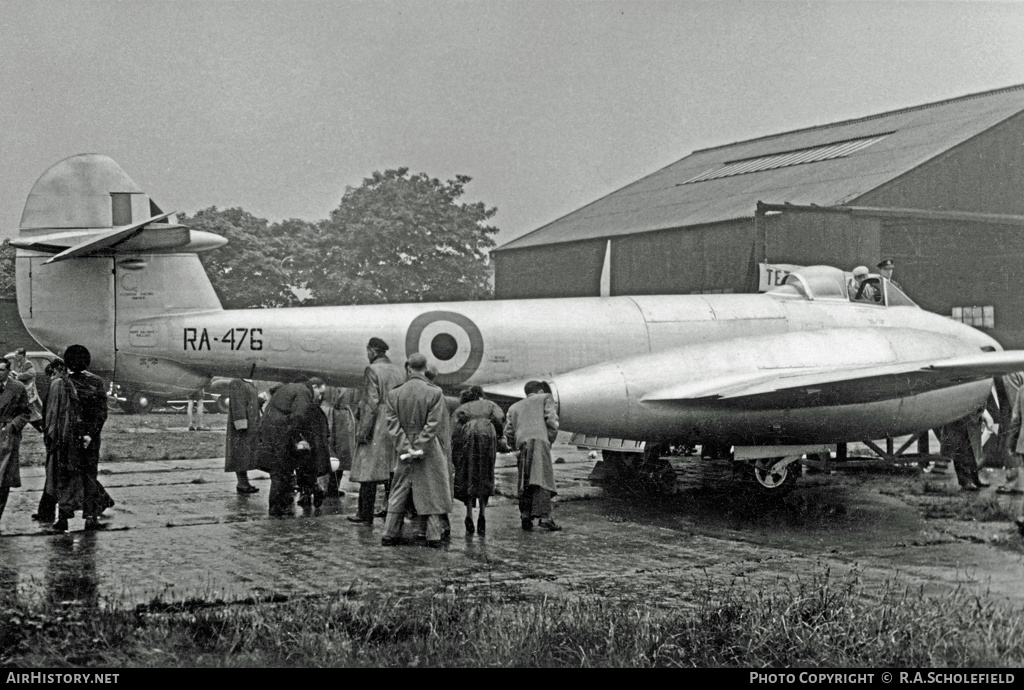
(776, 476)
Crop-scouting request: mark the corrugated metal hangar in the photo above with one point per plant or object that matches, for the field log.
(939, 188)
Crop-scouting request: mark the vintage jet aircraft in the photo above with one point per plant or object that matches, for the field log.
(772, 375)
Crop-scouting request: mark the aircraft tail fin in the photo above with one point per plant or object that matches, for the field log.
(96, 255)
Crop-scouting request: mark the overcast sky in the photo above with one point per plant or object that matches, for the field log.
(278, 106)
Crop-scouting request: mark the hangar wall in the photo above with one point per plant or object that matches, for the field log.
(706, 258)
(572, 269)
(808, 238)
(945, 264)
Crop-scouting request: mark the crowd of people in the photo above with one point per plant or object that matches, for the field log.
(395, 433)
(68, 405)
(399, 441)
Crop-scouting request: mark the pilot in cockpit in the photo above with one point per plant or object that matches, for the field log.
(860, 289)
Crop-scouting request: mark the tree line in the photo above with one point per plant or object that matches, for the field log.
(398, 237)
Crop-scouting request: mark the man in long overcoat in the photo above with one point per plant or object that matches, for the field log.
(343, 431)
(531, 426)
(243, 433)
(414, 413)
(24, 371)
(76, 410)
(375, 454)
(282, 418)
(47, 511)
(14, 415)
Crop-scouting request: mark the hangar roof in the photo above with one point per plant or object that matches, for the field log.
(825, 165)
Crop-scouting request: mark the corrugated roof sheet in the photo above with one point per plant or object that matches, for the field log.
(672, 197)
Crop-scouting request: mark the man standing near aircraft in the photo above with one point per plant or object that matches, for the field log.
(243, 433)
(76, 410)
(375, 455)
(531, 426)
(413, 415)
(24, 371)
(14, 414)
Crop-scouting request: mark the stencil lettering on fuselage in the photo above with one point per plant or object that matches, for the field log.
(449, 341)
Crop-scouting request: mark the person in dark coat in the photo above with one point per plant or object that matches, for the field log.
(312, 451)
(375, 454)
(76, 409)
(961, 442)
(25, 372)
(344, 419)
(47, 510)
(414, 413)
(14, 415)
(531, 427)
(284, 415)
(243, 433)
(478, 424)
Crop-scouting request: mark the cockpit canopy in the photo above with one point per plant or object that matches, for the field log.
(831, 284)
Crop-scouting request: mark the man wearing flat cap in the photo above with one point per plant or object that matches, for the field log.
(375, 453)
(885, 268)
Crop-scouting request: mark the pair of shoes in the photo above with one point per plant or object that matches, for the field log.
(1012, 490)
(191, 427)
(381, 514)
(481, 525)
(389, 541)
(550, 525)
(93, 524)
(435, 544)
(39, 517)
(202, 428)
(247, 489)
(527, 524)
(358, 518)
(470, 527)
(61, 525)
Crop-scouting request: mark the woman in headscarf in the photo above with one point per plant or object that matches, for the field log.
(477, 425)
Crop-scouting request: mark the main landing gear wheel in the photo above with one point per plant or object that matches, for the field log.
(138, 403)
(776, 476)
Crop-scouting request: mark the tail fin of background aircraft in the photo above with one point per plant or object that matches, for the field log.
(96, 257)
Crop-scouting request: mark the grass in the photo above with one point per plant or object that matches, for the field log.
(816, 621)
(154, 436)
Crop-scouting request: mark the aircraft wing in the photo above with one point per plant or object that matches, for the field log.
(798, 387)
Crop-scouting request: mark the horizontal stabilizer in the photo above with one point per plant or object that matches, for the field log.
(105, 240)
(848, 384)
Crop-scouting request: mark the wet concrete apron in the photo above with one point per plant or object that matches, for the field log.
(180, 530)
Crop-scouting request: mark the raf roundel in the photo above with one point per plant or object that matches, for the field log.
(449, 341)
